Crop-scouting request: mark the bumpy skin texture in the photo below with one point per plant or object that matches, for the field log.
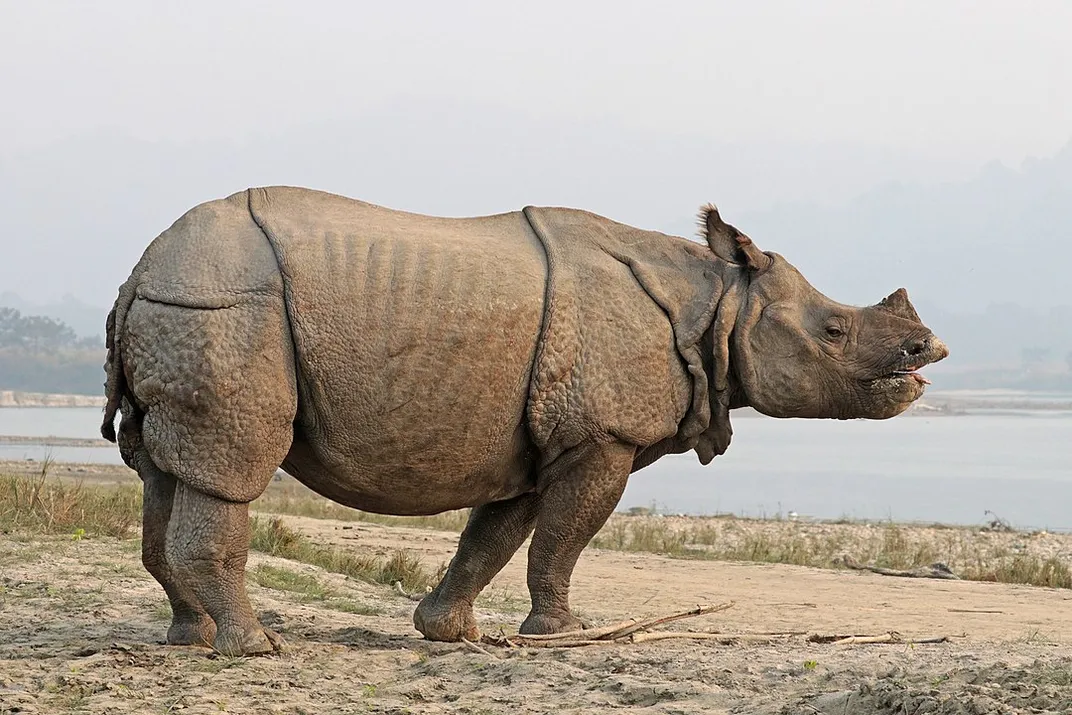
(522, 364)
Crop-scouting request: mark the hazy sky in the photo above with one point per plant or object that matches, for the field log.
(117, 116)
(972, 80)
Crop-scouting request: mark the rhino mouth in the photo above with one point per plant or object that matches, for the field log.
(911, 372)
(902, 380)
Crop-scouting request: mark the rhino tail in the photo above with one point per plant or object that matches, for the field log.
(115, 385)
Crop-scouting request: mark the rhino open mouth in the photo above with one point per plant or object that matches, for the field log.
(902, 378)
(912, 374)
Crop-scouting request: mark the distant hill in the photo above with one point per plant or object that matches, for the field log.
(1003, 238)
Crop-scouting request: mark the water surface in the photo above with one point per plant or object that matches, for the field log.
(911, 468)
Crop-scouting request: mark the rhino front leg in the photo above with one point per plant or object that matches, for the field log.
(207, 547)
(491, 537)
(582, 488)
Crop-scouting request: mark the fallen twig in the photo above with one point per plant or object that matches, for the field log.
(935, 570)
(584, 633)
(653, 622)
(631, 631)
(473, 646)
(721, 638)
(888, 637)
(972, 610)
(411, 596)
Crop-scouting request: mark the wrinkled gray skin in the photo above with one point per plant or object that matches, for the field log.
(522, 364)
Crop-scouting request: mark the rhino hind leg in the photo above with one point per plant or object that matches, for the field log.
(207, 546)
(491, 537)
(582, 487)
(212, 406)
(190, 622)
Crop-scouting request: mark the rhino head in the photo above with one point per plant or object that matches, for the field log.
(796, 353)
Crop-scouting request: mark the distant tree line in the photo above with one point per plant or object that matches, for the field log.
(41, 354)
(38, 332)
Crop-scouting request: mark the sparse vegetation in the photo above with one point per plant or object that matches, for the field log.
(821, 546)
(39, 504)
(306, 588)
(273, 537)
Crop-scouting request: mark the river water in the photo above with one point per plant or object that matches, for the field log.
(948, 469)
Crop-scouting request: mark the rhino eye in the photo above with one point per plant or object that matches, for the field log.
(834, 331)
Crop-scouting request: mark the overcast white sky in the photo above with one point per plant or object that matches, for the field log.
(970, 80)
(639, 111)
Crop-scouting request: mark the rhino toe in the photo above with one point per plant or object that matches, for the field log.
(254, 641)
(449, 622)
(538, 624)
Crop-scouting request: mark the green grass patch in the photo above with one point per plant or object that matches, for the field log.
(273, 537)
(305, 586)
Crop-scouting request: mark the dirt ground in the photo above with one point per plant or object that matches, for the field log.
(81, 630)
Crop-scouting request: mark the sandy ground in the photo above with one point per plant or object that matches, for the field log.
(81, 630)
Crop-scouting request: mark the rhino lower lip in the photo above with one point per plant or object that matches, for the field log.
(915, 375)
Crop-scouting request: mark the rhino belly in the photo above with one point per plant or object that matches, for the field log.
(415, 339)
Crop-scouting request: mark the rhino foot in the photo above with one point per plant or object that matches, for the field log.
(200, 631)
(253, 641)
(547, 623)
(445, 622)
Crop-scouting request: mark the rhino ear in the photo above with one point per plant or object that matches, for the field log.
(728, 243)
(897, 303)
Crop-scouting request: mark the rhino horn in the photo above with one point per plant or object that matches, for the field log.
(897, 303)
(728, 243)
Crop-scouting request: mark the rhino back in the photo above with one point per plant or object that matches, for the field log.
(414, 339)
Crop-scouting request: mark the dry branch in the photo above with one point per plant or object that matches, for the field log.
(583, 634)
(935, 570)
(411, 596)
(473, 646)
(721, 638)
(972, 610)
(631, 631)
(888, 637)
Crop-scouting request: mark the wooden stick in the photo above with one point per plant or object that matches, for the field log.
(473, 646)
(652, 622)
(971, 610)
(625, 632)
(584, 634)
(722, 638)
(853, 640)
(411, 596)
(891, 637)
(935, 570)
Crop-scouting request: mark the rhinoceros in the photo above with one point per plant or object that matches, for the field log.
(522, 364)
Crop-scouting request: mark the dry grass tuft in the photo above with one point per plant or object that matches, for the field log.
(43, 505)
(994, 558)
(38, 504)
(273, 537)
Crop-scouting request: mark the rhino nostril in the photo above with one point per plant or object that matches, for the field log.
(916, 347)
